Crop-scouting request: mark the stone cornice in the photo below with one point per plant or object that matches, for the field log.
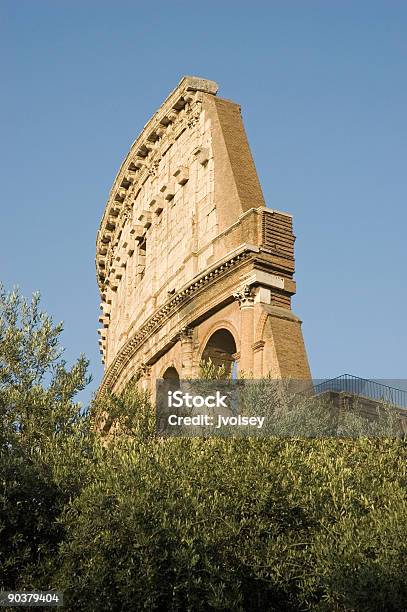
(279, 265)
(180, 110)
(165, 312)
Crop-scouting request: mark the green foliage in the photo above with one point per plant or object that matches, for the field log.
(210, 371)
(386, 421)
(240, 524)
(288, 407)
(291, 409)
(120, 519)
(43, 437)
(127, 414)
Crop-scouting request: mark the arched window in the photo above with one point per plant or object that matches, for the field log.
(221, 350)
(171, 374)
(171, 377)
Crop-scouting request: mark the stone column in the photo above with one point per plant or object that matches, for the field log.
(145, 377)
(245, 298)
(185, 337)
(258, 348)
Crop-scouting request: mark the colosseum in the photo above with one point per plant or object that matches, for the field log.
(191, 264)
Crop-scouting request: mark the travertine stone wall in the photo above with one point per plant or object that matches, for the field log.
(186, 243)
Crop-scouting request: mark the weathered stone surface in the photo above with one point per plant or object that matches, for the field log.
(186, 243)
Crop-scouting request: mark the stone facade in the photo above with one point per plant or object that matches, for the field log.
(190, 262)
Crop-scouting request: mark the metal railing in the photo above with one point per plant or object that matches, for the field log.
(363, 387)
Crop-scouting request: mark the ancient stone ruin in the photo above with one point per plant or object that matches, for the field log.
(190, 262)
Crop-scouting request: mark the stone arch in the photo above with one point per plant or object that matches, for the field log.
(261, 326)
(223, 324)
(220, 346)
(171, 378)
(170, 373)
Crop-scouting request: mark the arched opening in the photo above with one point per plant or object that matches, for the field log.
(221, 350)
(171, 374)
(171, 377)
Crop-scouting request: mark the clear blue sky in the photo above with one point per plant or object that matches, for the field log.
(324, 96)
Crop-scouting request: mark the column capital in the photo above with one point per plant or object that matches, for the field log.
(185, 333)
(257, 346)
(245, 296)
(144, 370)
